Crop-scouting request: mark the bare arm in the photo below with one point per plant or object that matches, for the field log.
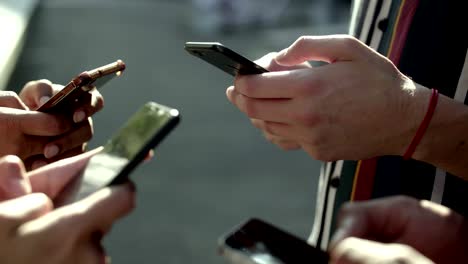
(445, 141)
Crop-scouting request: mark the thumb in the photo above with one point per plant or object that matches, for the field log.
(13, 180)
(383, 219)
(108, 205)
(329, 49)
(35, 93)
(25, 208)
(355, 250)
(52, 178)
(95, 213)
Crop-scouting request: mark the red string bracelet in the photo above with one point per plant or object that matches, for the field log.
(423, 127)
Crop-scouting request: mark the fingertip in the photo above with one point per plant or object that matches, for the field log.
(42, 200)
(149, 156)
(121, 200)
(229, 92)
(45, 82)
(51, 151)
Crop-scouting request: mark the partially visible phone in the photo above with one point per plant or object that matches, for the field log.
(123, 152)
(224, 58)
(258, 242)
(66, 99)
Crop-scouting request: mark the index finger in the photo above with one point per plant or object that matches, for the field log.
(81, 219)
(35, 123)
(277, 85)
(381, 218)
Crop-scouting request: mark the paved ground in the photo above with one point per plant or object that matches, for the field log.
(215, 170)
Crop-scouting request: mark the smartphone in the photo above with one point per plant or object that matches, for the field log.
(258, 242)
(66, 99)
(223, 58)
(123, 152)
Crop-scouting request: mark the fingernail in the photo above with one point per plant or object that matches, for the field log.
(229, 92)
(79, 116)
(37, 164)
(51, 151)
(44, 99)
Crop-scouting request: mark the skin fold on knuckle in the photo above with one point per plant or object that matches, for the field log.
(350, 43)
(249, 106)
(245, 85)
(10, 99)
(11, 165)
(56, 125)
(309, 118)
(348, 209)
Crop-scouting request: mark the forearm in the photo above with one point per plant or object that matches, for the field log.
(445, 143)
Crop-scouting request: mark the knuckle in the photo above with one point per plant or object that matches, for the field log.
(300, 42)
(258, 123)
(403, 201)
(269, 128)
(350, 42)
(318, 151)
(346, 209)
(250, 107)
(404, 254)
(56, 125)
(244, 85)
(11, 165)
(10, 95)
(307, 118)
(44, 83)
(10, 98)
(324, 155)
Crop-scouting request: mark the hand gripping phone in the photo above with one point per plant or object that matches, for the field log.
(66, 99)
(258, 242)
(223, 58)
(123, 152)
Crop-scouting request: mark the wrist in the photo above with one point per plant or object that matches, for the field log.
(414, 100)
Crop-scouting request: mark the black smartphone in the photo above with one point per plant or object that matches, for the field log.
(66, 99)
(123, 152)
(258, 242)
(223, 58)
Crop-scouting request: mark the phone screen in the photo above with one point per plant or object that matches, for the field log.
(257, 242)
(123, 152)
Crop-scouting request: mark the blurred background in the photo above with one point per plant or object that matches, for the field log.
(215, 170)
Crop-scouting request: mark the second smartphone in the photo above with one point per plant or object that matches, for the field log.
(123, 152)
(258, 242)
(223, 58)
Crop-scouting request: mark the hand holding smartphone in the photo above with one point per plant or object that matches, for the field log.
(258, 242)
(66, 99)
(123, 152)
(223, 58)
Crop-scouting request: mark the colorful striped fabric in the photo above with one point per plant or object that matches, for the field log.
(424, 38)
